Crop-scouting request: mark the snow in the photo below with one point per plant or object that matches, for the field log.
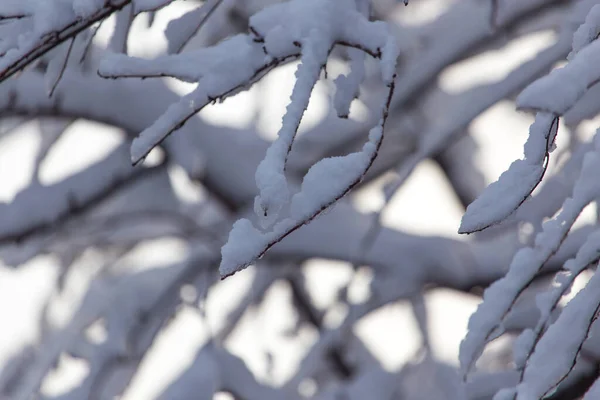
(347, 86)
(548, 301)
(330, 175)
(587, 32)
(522, 347)
(326, 182)
(243, 246)
(192, 66)
(150, 5)
(211, 87)
(557, 350)
(593, 392)
(371, 36)
(390, 54)
(505, 394)
(499, 298)
(502, 198)
(298, 18)
(587, 253)
(270, 174)
(558, 91)
(243, 60)
(240, 59)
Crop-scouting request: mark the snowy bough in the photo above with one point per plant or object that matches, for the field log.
(546, 354)
(232, 200)
(308, 30)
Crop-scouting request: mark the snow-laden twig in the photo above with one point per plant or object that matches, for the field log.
(222, 70)
(548, 301)
(593, 392)
(549, 198)
(562, 88)
(557, 351)
(570, 83)
(347, 86)
(486, 323)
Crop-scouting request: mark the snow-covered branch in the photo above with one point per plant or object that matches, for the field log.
(548, 354)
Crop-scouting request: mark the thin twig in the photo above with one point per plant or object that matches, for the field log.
(63, 67)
